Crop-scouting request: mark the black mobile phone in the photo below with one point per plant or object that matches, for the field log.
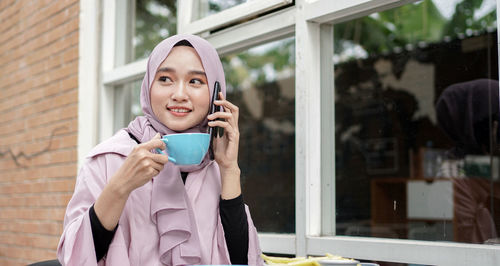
(214, 131)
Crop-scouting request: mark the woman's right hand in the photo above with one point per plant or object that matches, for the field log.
(140, 166)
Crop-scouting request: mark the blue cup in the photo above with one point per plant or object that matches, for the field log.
(186, 148)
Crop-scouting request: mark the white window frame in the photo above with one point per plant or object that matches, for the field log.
(88, 78)
(312, 23)
(187, 24)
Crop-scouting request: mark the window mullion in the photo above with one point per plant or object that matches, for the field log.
(308, 130)
(88, 75)
(277, 243)
(108, 57)
(184, 7)
(123, 35)
(323, 11)
(233, 14)
(327, 132)
(268, 28)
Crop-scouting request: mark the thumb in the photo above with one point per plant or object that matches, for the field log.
(155, 142)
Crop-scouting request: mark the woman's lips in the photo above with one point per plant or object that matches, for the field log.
(179, 111)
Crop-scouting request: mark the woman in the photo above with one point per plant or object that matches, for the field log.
(468, 112)
(133, 207)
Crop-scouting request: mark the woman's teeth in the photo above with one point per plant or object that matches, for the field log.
(179, 110)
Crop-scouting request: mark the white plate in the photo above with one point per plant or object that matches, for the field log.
(338, 262)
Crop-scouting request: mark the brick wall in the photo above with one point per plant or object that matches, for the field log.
(38, 125)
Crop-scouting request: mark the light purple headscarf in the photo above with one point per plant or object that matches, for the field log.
(179, 239)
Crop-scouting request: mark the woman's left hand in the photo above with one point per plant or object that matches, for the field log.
(226, 147)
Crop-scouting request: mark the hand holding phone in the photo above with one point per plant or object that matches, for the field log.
(215, 131)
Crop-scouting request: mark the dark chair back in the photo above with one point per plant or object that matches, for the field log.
(46, 263)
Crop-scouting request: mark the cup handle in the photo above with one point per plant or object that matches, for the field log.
(170, 159)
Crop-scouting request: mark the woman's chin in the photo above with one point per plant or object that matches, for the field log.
(178, 126)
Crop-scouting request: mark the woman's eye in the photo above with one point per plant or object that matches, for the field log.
(165, 79)
(196, 81)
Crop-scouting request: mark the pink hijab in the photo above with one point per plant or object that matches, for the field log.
(169, 205)
(143, 127)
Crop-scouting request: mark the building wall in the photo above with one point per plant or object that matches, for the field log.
(38, 125)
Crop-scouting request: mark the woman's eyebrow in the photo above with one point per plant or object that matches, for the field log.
(197, 72)
(165, 69)
(191, 72)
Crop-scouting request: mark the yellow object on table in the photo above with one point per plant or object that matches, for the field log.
(300, 261)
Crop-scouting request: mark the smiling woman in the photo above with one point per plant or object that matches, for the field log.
(132, 206)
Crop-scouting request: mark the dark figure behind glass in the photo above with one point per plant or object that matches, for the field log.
(468, 112)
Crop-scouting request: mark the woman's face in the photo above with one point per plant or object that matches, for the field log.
(180, 93)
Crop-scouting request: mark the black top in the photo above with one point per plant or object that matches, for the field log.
(102, 237)
(233, 218)
(234, 221)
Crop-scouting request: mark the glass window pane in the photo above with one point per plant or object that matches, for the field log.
(127, 104)
(154, 20)
(416, 103)
(261, 82)
(206, 8)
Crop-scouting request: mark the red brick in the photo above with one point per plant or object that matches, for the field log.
(53, 228)
(36, 241)
(48, 103)
(33, 16)
(12, 262)
(29, 254)
(20, 105)
(10, 10)
(45, 214)
(53, 157)
(43, 53)
(54, 115)
(32, 35)
(19, 188)
(34, 45)
(28, 134)
(14, 126)
(70, 82)
(70, 54)
(40, 79)
(4, 4)
(6, 23)
(39, 133)
(41, 173)
(38, 200)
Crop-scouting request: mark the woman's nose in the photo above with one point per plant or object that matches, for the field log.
(180, 92)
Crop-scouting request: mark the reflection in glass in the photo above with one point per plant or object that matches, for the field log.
(416, 103)
(127, 104)
(155, 20)
(385, 263)
(209, 7)
(261, 83)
